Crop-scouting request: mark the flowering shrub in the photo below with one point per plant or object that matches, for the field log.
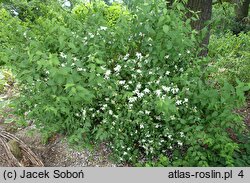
(136, 85)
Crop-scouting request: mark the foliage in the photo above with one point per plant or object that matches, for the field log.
(137, 85)
(27, 11)
(223, 20)
(242, 157)
(231, 56)
(110, 14)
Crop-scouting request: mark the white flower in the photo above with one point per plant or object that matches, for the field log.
(110, 112)
(172, 117)
(117, 68)
(84, 112)
(188, 51)
(158, 117)
(147, 112)
(167, 73)
(150, 39)
(103, 28)
(132, 99)
(138, 55)
(222, 69)
(126, 57)
(138, 86)
(125, 153)
(141, 126)
(66, 4)
(91, 35)
(79, 69)
(182, 134)
(141, 34)
(163, 97)
(178, 102)
(126, 87)
(136, 91)
(63, 55)
(63, 65)
(25, 34)
(146, 90)
(122, 82)
(158, 92)
(166, 89)
(166, 57)
(179, 143)
(139, 71)
(130, 106)
(151, 149)
(107, 73)
(140, 95)
(185, 99)
(175, 90)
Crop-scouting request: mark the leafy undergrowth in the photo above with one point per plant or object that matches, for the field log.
(231, 56)
(242, 156)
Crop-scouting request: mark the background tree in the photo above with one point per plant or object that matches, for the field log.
(241, 14)
(204, 9)
(241, 9)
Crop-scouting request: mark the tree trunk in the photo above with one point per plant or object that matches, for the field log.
(241, 9)
(204, 9)
(241, 12)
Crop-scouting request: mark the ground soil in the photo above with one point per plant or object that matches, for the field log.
(57, 152)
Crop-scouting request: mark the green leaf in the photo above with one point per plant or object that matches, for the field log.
(69, 85)
(166, 28)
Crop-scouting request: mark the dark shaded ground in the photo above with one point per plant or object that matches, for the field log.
(246, 112)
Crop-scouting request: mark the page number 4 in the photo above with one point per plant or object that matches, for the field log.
(241, 174)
